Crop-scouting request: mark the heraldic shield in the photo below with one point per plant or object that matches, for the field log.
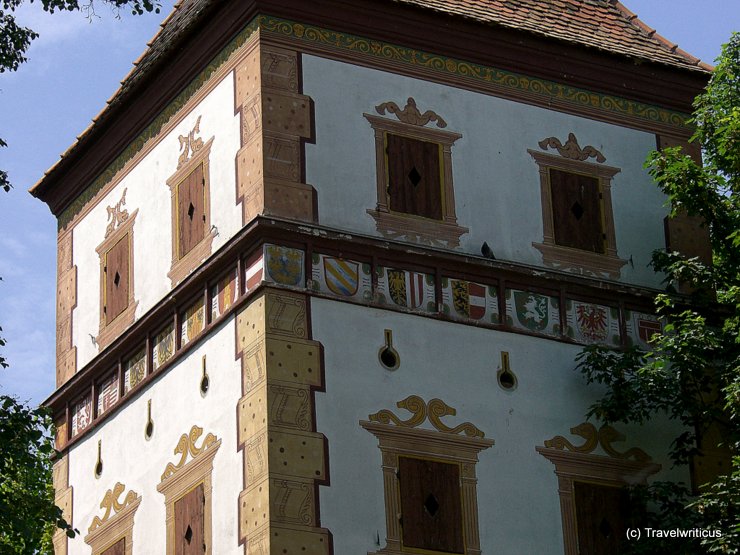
(531, 310)
(341, 276)
(469, 299)
(284, 265)
(406, 288)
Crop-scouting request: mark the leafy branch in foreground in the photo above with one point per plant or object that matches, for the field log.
(692, 373)
(28, 515)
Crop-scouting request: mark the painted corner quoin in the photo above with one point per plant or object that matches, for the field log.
(380, 54)
(285, 459)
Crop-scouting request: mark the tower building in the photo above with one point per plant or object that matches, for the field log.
(324, 269)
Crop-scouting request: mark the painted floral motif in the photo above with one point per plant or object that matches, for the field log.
(468, 300)
(341, 277)
(193, 322)
(107, 393)
(224, 294)
(81, 415)
(284, 265)
(533, 311)
(164, 346)
(135, 371)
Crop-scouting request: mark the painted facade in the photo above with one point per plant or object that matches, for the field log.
(261, 342)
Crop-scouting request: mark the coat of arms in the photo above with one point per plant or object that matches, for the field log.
(406, 288)
(532, 310)
(226, 293)
(469, 299)
(284, 265)
(341, 276)
(592, 321)
(647, 328)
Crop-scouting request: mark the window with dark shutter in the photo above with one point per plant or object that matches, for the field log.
(189, 523)
(431, 509)
(191, 211)
(601, 518)
(118, 548)
(116, 275)
(576, 211)
(414, 178)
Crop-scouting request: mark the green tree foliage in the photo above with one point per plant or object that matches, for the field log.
(28, 515)
(693, 371)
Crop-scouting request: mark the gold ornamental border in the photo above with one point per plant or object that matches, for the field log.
(401, 57)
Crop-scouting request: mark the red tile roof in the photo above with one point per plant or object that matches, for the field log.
(602, 24)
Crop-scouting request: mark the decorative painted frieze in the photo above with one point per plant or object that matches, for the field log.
(342, 277)
(590, 323)
(534, 312)
(108, 393)
(405, 289)
(82, 414)
(224, 293)
(163, 347)
(460, 300)
(134, 371)
(193, 322)
(284, 265)
(465, 300)
(641, 327)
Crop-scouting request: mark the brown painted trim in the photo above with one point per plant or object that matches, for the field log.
(463, 39)
(182, 266)
(109, 330)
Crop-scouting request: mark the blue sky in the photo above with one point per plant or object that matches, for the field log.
(73, 68)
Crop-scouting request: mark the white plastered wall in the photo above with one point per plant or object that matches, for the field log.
(147, 191)
(139, 463)
(519, 508)
(497, 184)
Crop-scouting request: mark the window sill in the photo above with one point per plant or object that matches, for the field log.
(108, 332)
(584, 262)
(181, 268)
(416, 229)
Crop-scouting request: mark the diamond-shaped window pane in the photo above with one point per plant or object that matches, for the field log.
(431, 505)
(191, 210)
(577, 210)
(414, 176)
(117, 279)
(605, 528)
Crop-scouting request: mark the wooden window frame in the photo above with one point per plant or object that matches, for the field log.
(569, 258)
(116, 524)
(579, 464)
(448, 446)
(181, 267)
(418, 229)
(110, 330)
(180, 478)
